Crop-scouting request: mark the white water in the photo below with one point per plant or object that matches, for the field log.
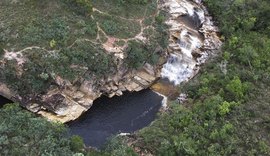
(182, 65)
(178, 69)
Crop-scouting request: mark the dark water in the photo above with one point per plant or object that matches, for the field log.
(125, 114)
(192, 22)
(4, 101)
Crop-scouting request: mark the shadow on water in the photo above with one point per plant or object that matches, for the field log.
(110, 116)
(4, 101)
(193, 22)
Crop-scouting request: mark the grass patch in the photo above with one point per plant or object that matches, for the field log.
(128, 9)
(117, 27)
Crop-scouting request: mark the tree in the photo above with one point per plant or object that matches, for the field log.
(81, 6)
(136, 55)
(22, 133)
(236, 87)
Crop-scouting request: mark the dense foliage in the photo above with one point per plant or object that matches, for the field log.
(66, 38)
(84, 7)
(227, 112)
(21, 133)
(228, 108)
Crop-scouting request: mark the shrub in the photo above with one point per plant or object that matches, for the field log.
(76, 143)
(136, 55)
(83, 7)
(22, 133)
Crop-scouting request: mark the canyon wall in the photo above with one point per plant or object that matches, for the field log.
(193, 37)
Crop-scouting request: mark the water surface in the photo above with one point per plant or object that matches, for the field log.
(4, 101)
(110, 116)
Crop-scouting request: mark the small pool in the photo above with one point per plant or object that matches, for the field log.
(110, 116)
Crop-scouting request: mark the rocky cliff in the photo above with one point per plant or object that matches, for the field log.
(192, 36)
(56, 61)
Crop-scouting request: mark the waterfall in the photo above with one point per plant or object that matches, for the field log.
(181, 64)
(185, 41)
(176, 70)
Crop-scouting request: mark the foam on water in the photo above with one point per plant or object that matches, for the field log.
(176, 71)
(181, 64)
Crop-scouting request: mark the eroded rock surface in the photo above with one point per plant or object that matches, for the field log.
(193, 37)
(68, 103)
(58, 51)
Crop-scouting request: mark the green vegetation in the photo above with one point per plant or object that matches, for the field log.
(64, 38)
(21, 133)
(42, 67)
(39, 31)
(131, 9)
(116, 146)
(136, 55)
(228, 111)
(117, 27)
(76, 143)
(81, 6)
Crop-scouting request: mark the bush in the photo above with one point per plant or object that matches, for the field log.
(83, 7)
(76, 143)
(136, 55)
(22, 133)
(116, 147)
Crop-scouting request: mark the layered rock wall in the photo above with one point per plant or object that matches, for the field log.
(193, 37)
(76, 100)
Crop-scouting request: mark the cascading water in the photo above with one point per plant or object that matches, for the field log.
(181, 63)
(187, 39)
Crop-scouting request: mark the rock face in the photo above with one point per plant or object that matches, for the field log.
(69, 103)
(71, 59)
(193, 38)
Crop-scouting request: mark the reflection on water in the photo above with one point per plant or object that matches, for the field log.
(110, 116)
(166, 88)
